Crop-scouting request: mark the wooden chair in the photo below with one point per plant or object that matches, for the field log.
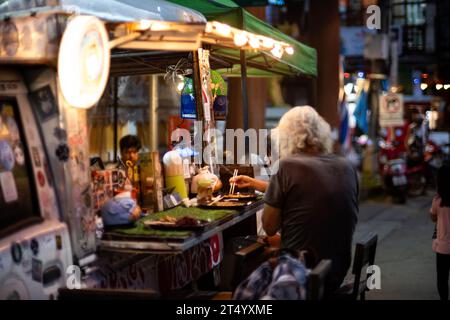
(364, 256)
(316, 280)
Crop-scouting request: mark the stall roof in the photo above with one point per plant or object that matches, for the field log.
(303, 61)
(107, 10)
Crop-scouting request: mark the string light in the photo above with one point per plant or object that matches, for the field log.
(209, 27)
(240, 39)
(277, 51)
(144, 24)
(254, 43)
(158, 26)
(223, 29)
(289, 50)
(267, 43)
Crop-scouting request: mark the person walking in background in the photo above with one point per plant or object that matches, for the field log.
(440, 213)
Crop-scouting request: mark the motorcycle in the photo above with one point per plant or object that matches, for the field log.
(392, 167)
(422, 167)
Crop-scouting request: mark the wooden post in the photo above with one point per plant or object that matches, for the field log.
(116, 117)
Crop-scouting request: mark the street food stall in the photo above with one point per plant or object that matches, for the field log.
(57, 58)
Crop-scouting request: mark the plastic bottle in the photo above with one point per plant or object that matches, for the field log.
(173, 173)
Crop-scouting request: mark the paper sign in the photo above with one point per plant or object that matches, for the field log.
(8, 186)
(391, 110)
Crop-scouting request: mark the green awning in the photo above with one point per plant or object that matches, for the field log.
(302, 62)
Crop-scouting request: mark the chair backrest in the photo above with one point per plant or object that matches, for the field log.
(242, 256)
(364, 256)
(317, 278)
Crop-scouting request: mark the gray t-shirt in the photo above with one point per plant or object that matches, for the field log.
(318, 198)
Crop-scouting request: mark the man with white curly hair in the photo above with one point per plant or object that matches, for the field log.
(313, 197)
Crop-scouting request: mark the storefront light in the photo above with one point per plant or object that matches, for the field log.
(277, 51)
(83, 61)
(180, 86)
(240, 39)
(180, 83)
(209, 27)
(290, 50)
(268, 43)
(144, 24)
(223, 29)
(159, 26)
(254, 42)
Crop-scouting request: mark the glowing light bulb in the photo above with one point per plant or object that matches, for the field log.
(180, 86)
(423, 86)
(254, 43)
(289, 50)
(209, 27)
(267, 43)
(277, 51)
(223, 29)
(240, 39)
(439, 86)
(144, 24)
(446, 86)
(159, 26)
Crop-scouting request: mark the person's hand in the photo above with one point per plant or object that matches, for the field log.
(136, 214)
(242, 181)
(217, 186)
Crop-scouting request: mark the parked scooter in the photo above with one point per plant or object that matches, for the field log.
(392, 166)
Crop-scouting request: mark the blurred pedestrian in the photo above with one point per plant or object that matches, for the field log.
(440, 213)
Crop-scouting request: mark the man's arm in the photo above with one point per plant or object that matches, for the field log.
(433, 211)
(271, 219)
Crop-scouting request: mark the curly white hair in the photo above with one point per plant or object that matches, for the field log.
(300, 130)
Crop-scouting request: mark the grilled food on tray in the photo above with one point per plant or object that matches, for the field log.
(185, 221)
(228, 204)
(240, 196)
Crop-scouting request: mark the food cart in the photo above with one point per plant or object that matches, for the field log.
(56, 59)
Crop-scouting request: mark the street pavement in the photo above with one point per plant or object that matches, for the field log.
(404, 252)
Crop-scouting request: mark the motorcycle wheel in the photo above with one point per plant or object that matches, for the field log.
(417, 185)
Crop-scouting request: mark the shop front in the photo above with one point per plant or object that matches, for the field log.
(55, 68)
